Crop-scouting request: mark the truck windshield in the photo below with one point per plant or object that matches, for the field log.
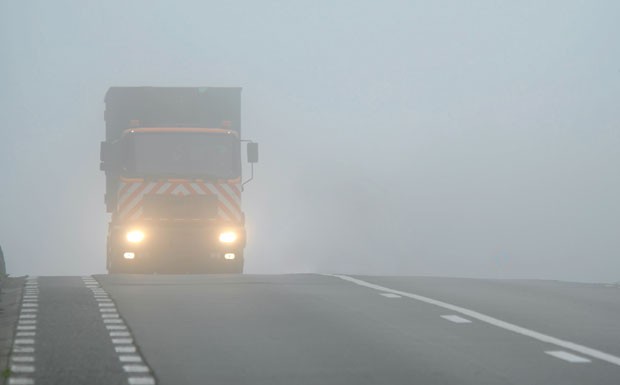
(205, 155)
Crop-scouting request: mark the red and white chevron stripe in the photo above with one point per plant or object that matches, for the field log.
(131, 193)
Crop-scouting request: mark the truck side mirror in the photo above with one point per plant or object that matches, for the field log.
(253, 152)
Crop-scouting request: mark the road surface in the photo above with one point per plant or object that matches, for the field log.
(314, 329)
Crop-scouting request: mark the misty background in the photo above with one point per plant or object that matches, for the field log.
(476, 139)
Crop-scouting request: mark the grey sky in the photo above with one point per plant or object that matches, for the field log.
(397, 137)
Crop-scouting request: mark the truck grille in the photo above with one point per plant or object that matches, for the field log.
(179, 207)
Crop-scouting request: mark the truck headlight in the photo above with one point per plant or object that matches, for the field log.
(135, 236)
(228, 237)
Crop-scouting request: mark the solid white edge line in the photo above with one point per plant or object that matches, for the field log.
(456, 319)
(390, 295)
(566, 356)
(492, 321)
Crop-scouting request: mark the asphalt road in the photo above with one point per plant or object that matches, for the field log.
(313, 329)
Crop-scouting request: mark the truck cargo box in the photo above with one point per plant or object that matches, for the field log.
(171, 106)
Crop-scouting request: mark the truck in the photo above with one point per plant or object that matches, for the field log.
(172, 159)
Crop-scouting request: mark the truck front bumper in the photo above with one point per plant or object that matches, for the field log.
(175, 248)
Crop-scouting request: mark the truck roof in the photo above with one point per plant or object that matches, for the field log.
(171, 107)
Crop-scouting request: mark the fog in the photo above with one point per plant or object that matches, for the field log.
(475, 139)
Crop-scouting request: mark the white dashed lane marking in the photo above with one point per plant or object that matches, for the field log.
(24, 334)
(125, 349)
(112, 321)
(122, 341)
(136, 368)
(456, 319)
(21, 381)
(22, 368)
(21, 359)
(566, 356)
(116, 327)
(119, 334)
(22, 354)
(132, 361)
(585, 350)
(23, 349)
(132, 358)
(141, 381)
